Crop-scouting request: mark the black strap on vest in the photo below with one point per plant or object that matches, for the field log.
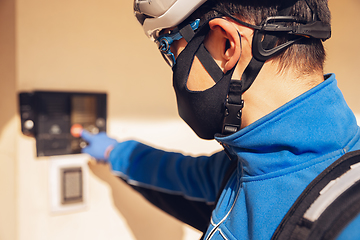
(310, 217)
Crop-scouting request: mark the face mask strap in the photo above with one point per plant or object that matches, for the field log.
(202, 54)
(234, 103)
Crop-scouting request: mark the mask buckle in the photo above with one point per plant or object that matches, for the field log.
(233, 108)
(232, 119)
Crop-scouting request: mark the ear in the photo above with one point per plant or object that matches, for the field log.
(224, 43)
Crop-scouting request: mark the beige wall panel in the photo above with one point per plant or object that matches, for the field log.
(8, 121)
(343, 53)
(96, 45)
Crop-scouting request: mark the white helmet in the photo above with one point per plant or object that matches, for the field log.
(155, 15)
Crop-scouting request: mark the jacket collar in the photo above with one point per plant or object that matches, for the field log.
(314, 124)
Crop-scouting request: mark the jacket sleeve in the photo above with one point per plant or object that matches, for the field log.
(183, 186)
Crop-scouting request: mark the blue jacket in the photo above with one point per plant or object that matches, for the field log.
(279, 155)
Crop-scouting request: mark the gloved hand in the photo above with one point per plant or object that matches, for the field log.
(100, 145)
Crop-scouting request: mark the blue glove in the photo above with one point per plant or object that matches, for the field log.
(100, 145)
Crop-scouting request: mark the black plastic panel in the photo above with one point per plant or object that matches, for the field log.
(49, 116)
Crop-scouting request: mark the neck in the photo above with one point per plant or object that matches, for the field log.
(272, 89)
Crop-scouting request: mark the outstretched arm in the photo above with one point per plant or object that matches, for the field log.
(183, 186)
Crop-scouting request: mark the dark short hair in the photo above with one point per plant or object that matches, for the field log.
(307, 55)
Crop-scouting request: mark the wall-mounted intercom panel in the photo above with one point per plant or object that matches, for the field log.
(50, 117)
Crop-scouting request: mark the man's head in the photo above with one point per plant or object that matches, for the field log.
(236, 39)
(308, 54)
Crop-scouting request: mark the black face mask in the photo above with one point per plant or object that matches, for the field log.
(204, 110)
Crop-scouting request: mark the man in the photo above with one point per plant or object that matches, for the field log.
(248, 73)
